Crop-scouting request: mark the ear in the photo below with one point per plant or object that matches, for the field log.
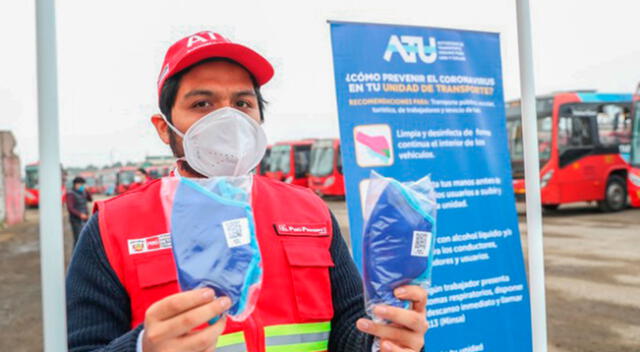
(161, 127)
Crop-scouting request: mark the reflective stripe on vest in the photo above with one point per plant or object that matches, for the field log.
(310, 337)
(233, 342)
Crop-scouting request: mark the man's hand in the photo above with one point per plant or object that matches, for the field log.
(169, 323)
(407, 328)
(84, 216)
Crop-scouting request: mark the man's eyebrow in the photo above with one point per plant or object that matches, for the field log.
(197, 92)
(249, 92)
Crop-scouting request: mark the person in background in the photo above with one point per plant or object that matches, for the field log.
(140, 178)
(77, 204)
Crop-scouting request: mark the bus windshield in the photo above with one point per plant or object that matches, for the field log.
(126, 177)
(279, 159)
(635, 140)
(264, 163)
(32, 178)
(321, 161)
(90, 181)
(514, 129)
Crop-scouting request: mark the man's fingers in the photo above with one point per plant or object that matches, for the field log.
(406, 318)
(185, 322)
(181, 302)
(203, 340)
(416, 294)
(388, 346)
(400, 336)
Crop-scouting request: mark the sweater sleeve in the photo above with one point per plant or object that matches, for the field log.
(348, 301)
(98, 313)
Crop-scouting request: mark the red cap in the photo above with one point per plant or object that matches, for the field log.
(203, 45)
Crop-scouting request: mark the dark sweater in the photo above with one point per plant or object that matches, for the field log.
(99, 315)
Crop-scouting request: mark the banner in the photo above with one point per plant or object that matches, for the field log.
(414, 101)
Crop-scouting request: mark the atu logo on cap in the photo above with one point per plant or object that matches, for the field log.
(204, 37)
(407, 46)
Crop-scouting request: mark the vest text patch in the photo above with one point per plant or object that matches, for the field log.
(150, 244)
(319, 230)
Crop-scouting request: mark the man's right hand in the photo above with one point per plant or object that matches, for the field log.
(169, 323)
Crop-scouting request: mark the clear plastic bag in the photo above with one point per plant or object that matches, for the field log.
(398, 238)
(213, 238)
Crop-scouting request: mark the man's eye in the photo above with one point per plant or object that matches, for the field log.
(201, 104)
(243, 104)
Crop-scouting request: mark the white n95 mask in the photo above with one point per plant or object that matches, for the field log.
(225, 142)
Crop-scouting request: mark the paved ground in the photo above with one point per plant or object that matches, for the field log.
(592, 265)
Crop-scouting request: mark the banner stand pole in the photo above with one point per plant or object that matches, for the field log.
(532, 179)
(54, 317)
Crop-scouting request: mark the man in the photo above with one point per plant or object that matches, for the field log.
(139, 178)
(121, 286)
(77, 200)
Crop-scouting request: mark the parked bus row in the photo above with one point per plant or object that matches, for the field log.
(313, 163)
(108, 181)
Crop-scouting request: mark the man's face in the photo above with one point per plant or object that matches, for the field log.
(78, 185)
(205, 88)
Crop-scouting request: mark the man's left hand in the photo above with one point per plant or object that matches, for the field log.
(407, 328)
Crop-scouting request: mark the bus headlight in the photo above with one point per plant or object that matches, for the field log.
(288, 179)
(635, 179)
(330, 180)
(545, 179)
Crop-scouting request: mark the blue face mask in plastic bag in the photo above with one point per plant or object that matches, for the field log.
(398, 238)
(214, 239)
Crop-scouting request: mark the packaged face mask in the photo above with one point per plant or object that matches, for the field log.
(398, 238)
(214, 239)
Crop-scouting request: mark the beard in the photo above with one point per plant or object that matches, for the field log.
(178, 152)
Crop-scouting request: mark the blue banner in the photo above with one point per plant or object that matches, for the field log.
(414, 101)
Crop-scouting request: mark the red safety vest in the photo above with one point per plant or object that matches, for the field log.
(294, 230)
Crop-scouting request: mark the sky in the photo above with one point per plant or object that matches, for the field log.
(110, 53)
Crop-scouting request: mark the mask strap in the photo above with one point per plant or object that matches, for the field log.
(172, 126)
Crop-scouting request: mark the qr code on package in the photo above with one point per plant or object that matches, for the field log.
(236, 232)
(421, 244)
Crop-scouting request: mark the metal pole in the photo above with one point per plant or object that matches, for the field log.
(54, 317)
(532, 179)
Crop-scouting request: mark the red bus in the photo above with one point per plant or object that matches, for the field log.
(633, 182)
(32, 185)
(584, 142)
(31, 194)
(325, 173)
(289, 162)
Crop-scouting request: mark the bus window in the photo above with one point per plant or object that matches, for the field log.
(32, 178)
(301, 157)
(279, 159)
(574, 132)
(322, 161)
(544, 108)
(614, 125)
